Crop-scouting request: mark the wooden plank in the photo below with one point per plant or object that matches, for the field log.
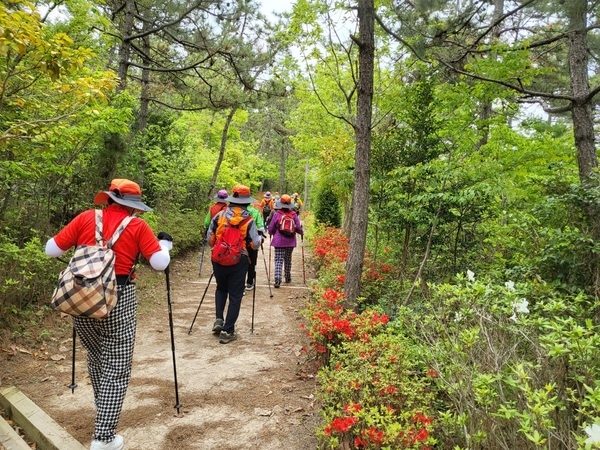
(10, 439)
(36, 424)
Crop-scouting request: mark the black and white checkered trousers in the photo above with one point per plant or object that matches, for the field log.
(109, 344)
(283, 258)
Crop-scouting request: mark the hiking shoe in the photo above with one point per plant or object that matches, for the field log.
(277, 283)
(249, 286)
(226, 338)
(217, 326)
(116, 444)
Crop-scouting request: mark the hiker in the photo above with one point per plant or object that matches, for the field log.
(266, 205)
(230, 278)
(109, 342)
(284, 240)
(219, 205)
(252, 253)
(297, 201)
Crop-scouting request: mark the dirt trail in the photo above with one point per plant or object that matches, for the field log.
(254, 393)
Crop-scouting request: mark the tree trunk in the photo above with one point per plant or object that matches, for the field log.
(282, 170)
(486, 107)
(583, 120)
(213, 181)
(306, 199)
(125, 50)
(144, 96)
(583, 117)
(360, 199)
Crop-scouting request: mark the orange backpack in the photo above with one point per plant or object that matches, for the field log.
(228, 247)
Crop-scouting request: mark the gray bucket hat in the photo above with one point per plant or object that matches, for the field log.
(241, 196)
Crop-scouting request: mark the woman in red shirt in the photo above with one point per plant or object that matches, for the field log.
(109, 342)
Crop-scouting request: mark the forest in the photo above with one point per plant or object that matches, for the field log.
(445, 151)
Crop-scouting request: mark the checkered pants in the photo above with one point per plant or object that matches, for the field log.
(283, 258)
(109, 344)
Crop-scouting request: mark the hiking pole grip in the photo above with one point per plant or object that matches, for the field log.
(177, 404)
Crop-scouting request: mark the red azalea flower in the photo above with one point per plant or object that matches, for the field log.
(375, 436)
(359, 442)
(422, 418)
(421, 435)
(343, 424)
(352, 408)
(390, 390)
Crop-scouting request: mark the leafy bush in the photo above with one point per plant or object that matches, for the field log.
(27, 275)
(328, 208)
(519, 367)
(186, 228)
(476, 364)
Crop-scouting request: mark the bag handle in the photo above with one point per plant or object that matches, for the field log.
(110, 242)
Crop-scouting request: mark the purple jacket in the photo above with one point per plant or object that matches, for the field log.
(278, 239)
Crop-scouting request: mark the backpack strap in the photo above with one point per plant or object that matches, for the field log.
(110, 242)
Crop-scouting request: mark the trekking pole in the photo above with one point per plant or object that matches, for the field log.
(73, 385)
(253, 297)
(177, 404)
(201, 300)
(267, 270)
(303, 266)
(202, 258)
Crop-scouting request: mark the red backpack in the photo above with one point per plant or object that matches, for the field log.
(228, 247)
(287, 225)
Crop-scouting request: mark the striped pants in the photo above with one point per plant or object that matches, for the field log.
(109, 344)
(283, 259)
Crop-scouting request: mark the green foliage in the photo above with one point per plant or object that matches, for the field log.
(187, 229)
(327, 211)
(27, 274)
(516, 362)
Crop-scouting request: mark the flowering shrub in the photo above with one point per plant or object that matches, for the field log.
(377, 395)
(474, 363)
(330, 252)
(331, 324)
(375, 390)
(330, 246)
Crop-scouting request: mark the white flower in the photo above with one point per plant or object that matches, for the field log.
(470, 275)
(594, 434)
(521, 306)
(458, 316)
(510, 285)
(514, 317)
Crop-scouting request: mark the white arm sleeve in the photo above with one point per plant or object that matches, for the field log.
(54, 250)
(160, 260)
